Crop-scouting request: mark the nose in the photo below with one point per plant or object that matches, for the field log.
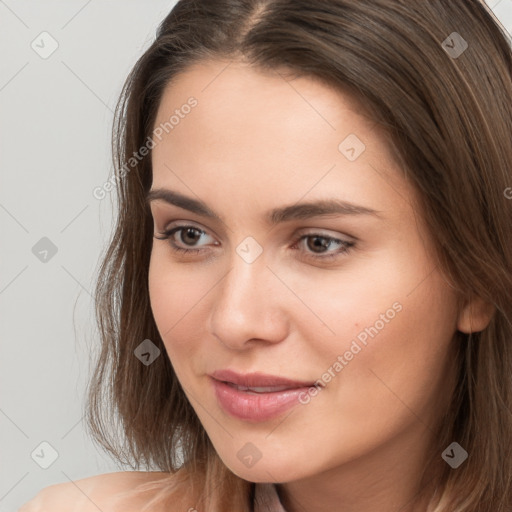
(249, 306)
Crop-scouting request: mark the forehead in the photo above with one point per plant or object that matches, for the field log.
(258, 136)
(230, 94)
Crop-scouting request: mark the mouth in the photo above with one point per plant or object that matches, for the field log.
(257, 380)
(258, 390)
(256, 397)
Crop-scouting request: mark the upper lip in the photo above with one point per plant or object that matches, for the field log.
(257, 379)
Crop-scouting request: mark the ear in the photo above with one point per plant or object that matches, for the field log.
(475, 316)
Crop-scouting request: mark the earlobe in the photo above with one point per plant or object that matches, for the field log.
(475, 316)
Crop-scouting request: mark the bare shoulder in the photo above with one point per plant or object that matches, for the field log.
(99, 492)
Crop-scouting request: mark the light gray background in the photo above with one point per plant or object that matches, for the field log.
(55, 126)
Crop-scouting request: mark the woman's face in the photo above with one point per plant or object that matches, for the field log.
(350, 300)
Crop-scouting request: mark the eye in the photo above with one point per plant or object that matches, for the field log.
(189, 234)
(316, 247)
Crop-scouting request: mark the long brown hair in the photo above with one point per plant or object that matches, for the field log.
(448, 120)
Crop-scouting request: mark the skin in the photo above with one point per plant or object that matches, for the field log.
(259, 141)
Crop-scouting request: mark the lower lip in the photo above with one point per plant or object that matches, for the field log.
(255, 406)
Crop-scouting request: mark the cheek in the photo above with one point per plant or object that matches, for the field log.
(178, 297)
(391, 321)
(162, 285)
(396, 352)
(396, 289)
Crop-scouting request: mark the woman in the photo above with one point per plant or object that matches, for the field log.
(306, 303)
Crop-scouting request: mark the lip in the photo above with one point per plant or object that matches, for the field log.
(256, 406)
(257, 379)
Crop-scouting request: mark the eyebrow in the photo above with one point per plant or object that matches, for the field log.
(298, 211)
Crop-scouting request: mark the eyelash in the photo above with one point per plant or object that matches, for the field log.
(347, 246)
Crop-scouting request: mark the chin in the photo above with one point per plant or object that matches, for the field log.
(262, 472)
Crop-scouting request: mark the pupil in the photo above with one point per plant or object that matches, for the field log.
(323, 244)
(189, 231)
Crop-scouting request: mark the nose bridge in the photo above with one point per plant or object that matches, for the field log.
(245, 305)
(243, 285)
